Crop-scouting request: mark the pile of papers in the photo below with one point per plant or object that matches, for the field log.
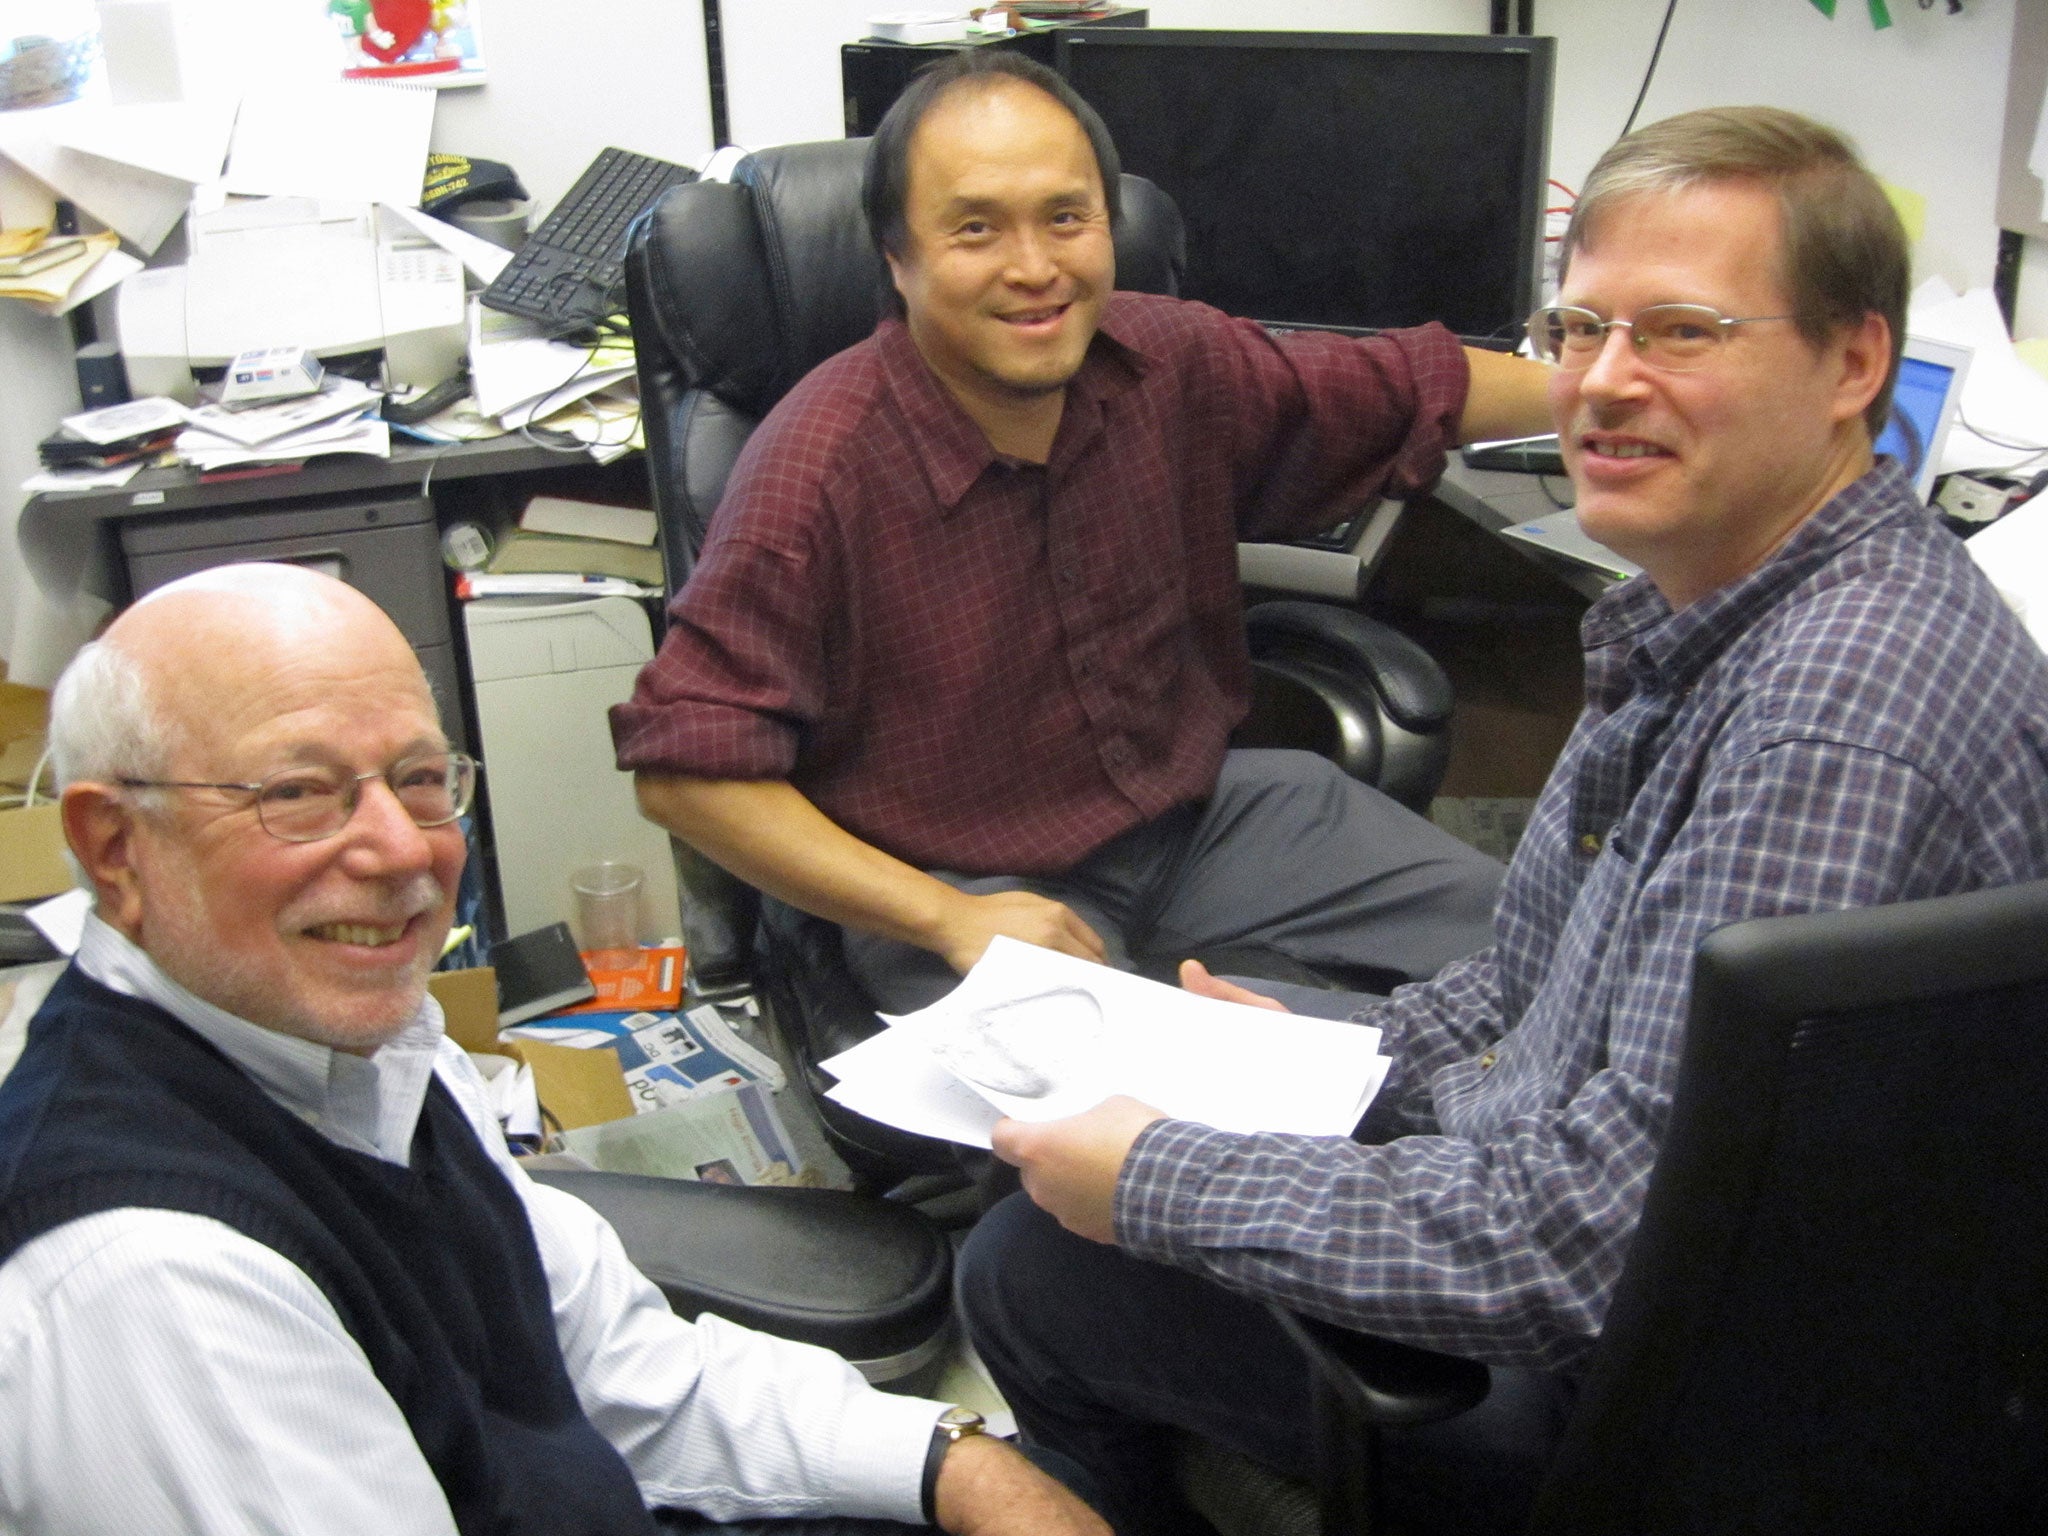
(57, 273)
(336, 419)
(703, 1097)
(1037, 1035)
(115, 435)
(520, 378)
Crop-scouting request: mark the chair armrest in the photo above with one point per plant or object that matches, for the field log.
(1412, 687)
(1381, 1382)
(866, 1278)
(1362, 1385)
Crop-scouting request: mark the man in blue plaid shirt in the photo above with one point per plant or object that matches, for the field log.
(1810, 700)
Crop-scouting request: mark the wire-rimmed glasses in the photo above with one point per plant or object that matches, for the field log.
(306, 804)
(1677, 338)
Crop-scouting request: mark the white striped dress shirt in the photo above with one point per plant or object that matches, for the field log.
(162, 1373)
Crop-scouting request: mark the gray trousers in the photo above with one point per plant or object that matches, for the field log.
(1289, 856)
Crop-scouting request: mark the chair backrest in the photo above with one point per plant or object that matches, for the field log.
(737, 290)
(1834, 1317)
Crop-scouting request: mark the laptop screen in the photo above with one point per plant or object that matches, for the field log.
(1924, 404)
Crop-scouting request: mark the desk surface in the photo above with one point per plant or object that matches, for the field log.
(1496, 498)
(413, 466)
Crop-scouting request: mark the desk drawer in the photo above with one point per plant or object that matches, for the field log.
(387, 549)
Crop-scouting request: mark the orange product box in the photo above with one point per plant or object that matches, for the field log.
(652, 983)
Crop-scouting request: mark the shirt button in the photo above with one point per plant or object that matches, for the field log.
(1589, 843)
(1069, 576)
(1486, 1062)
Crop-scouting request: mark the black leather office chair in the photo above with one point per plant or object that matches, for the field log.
(1834, 1316)
(736, 291)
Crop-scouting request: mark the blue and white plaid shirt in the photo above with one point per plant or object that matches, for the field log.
(1859, 721)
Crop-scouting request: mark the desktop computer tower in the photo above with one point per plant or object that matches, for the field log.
(873, 73)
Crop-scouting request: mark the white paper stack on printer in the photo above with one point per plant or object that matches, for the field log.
(335, 420)
(1037, 1036)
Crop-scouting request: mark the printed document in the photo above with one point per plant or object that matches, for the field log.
(1038, 1036)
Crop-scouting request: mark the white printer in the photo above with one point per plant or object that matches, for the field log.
(330, 277)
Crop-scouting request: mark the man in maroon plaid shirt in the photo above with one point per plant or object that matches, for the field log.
(964, 647)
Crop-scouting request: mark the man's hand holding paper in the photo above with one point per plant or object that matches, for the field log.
(1069, 1167)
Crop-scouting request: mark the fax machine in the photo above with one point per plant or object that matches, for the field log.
(332, 277)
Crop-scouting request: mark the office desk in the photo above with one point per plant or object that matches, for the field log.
(1489, 499)
(422, 469)
(374, 522)
(1495, 498)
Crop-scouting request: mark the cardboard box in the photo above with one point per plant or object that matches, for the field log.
(32, 854)
(31, 840)
(576, 1087)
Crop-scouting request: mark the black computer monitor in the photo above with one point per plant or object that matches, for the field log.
(1352, 180)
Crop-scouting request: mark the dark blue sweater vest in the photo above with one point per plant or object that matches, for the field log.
(432, 1268)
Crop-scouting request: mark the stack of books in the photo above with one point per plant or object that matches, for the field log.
(564, 545)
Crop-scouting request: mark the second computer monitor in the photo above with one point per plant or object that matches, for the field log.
(1339, 179)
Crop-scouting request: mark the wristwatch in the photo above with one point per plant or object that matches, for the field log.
(954, 1425)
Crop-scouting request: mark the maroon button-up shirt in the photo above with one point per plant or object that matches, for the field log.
(993, 667)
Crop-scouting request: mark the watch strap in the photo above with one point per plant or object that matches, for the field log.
(954, 1425)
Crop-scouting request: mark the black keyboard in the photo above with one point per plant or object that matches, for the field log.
(567, 274)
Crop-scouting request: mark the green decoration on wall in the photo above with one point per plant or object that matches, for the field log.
(1880, 13)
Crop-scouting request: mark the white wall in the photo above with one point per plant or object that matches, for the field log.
(782, 60)
(564, 81)
(1924, 99)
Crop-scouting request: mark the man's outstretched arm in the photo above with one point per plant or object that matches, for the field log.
(1508, 397)
(768, 833)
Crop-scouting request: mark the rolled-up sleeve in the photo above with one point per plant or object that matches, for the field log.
(741, 673)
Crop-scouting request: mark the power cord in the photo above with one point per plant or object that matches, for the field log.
(1650, 73)
(614, 328)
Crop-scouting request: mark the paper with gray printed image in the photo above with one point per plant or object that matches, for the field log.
(1038, 1036)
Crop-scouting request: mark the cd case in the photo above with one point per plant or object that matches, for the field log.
(538, 972)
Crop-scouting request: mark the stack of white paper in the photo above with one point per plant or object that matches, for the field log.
(1038, 1036)
(335, 420)
(519, 376)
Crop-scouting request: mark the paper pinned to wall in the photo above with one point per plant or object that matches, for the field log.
(350, 141)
